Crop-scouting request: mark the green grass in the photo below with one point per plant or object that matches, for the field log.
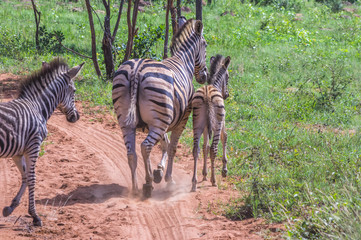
(293, 115)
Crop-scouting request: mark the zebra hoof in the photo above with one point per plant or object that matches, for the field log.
(194, 188)
(37, 222)
(7, 211)
(147, 190)
(158, 175)
(224, 172)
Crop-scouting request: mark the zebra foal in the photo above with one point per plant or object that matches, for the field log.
(23, 122)
(209, 117)
(155, 96)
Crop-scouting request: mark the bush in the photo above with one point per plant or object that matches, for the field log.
(334, 5)
(12, 45)
(49, 41)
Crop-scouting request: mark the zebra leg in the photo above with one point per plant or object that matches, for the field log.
(158, 173)
(197, 133)
(31, 163)
(146, 147)
(205, 153)
(224, 144)
(213, 152)
(129, 141)
(174, 138)
(20, 163)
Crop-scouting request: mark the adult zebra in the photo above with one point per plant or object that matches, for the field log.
(23, 122)
(155, 96)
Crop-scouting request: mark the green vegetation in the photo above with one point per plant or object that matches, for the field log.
(293, 115)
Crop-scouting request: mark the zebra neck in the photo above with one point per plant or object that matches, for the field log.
(217, 85)
(186, 57)
(47, 99)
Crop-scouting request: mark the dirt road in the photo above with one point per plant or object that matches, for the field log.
(82, 192)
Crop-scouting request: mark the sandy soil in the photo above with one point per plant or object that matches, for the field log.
(83, 183)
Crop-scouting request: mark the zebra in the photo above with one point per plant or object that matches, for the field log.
(155, 97)
(23, 122)
(209, 117)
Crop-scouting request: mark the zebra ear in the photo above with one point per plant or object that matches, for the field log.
(199, 27)
(45, 65)
(182, 21)
(226, 62)
(75, 70)
(212, 59)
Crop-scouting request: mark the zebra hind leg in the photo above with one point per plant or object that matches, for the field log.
(20, 163)
(129, 141)
(205, 153)
(197, 133)
(224, 144)
(213, 152)
(158, 173)
(146, 147)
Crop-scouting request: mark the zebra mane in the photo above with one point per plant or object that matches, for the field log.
(38, 75)
(214, 68)
(181, 35)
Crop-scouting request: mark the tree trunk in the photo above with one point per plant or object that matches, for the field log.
(94, 50)
(165, 54)
(37, 15)
(179, 10)
(107, 43)
(209, 2)
(173, 15)
(199, 10)
(131, 27)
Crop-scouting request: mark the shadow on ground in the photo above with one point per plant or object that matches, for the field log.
(96, 193)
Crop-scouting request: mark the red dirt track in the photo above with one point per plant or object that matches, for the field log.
(82, 192)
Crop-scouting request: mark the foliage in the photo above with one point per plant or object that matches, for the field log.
(50, 41)
(13, 44)
(145, 42)
(293, 115)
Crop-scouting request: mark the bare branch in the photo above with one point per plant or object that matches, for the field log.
(94, 51)
(118, 20)
(71, 50)
(96, 14)
(37, 15)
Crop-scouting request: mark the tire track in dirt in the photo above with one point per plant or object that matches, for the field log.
(4, 183)
(114, 169)
(82, 192)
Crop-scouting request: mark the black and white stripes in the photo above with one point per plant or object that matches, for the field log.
(23, 122)
(155, 96)
(209, 117)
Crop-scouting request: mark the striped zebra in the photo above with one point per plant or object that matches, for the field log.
(23, 122)
(155, 97)
(209, 117)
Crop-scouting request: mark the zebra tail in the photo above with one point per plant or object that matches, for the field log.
(211, 117)
(131, 118)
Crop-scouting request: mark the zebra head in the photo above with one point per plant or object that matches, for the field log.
(201, 71)
(67, 104)
(219, 74)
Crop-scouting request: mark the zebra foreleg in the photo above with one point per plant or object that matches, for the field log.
(20, 163)
(174, 138)
(31, 163)
(158, 173)
(224, 145)
(205, 153)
